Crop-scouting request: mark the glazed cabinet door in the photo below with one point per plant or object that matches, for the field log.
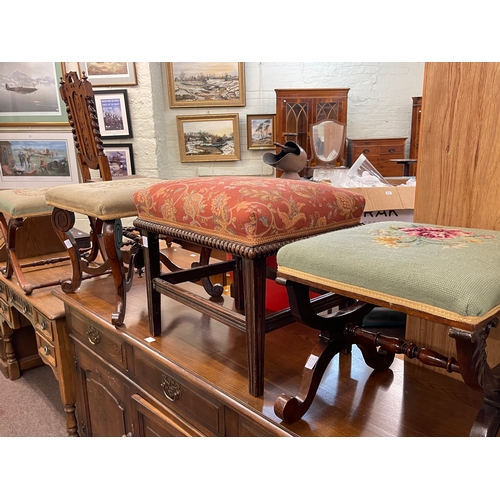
(102, 395)
(158, 421)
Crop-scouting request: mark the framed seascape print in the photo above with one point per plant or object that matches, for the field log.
(260, 131)
(37, 159)
(121, 159)
(205, 84)
(29, 94)
(209, 138)
(109, 74)
(113, 114)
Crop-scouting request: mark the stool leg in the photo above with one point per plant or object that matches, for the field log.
(152, 267)
(112, 237)
(254, 284)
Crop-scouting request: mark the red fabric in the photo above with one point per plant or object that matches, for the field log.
(251, 210)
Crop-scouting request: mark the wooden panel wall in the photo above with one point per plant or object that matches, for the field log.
(458, 172)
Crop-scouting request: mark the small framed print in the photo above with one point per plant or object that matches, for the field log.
(109, 74)
(209, 138)
(260, 131)
(113, 113)
(120, 158)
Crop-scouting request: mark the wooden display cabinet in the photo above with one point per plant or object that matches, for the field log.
(298, 109)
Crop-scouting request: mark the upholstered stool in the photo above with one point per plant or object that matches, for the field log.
(26, 208)
(443, 274)
(105, 204)
(249, 218)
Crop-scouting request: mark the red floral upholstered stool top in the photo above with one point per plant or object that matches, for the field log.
(249, 218)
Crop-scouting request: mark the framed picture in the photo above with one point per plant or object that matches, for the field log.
(109, 74)
(121, 159)
(113, 114)
(205, 84)
(37, 159)
(260, 131)
(209, 138)
(29, 94)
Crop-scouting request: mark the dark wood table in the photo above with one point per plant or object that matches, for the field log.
(407, 163)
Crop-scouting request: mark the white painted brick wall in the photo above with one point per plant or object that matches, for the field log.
(379, 105)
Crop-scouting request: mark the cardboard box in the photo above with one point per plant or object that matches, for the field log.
(387, 203)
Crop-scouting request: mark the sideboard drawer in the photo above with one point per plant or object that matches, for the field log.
(43, 326)
(379, 152)
(46, 351)
(109, 345)
(178, 395)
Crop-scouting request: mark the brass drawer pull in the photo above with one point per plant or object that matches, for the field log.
(46, 350)
(93, 335)
(171, 388)
(43, 325)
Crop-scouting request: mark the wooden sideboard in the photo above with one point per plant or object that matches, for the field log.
(379, 152)
(33, 331)
(298, 109)
(192, 380)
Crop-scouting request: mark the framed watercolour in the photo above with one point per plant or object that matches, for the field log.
(209, 138)
(109, 74)
(260, 132)
(29, 94)
(205, 84)
(37, 159)
(121, 159)
(113, 114)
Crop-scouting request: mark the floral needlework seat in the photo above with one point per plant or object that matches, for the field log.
(249, 218)
(443, 274)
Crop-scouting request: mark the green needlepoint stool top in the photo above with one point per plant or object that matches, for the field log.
(446, 272)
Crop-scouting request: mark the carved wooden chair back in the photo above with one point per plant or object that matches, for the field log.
(80, 105)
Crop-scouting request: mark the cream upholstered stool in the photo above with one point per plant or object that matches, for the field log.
(249, 218)
(105, 204)
(27, 235)
(446, 275)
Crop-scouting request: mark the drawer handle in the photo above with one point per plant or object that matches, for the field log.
(46, 350)
(366, 150)
(43, 325)
(171, 388)
(392, 150)
(93, 335)
(4, 308)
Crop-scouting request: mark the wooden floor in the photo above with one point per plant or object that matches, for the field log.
(406, 400)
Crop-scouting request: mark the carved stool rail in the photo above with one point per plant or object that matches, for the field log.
(446, 275)
(249, 218)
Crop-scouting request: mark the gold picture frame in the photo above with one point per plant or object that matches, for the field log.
(205, 84)
(209, 138)
(261, 132)
(109, 74)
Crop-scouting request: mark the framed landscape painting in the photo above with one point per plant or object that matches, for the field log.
(29, 94)
(113, 114)
(209, 138)
(121, 159)
(205, 84)
(37, 159)
(260, 131)
(109, 74)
